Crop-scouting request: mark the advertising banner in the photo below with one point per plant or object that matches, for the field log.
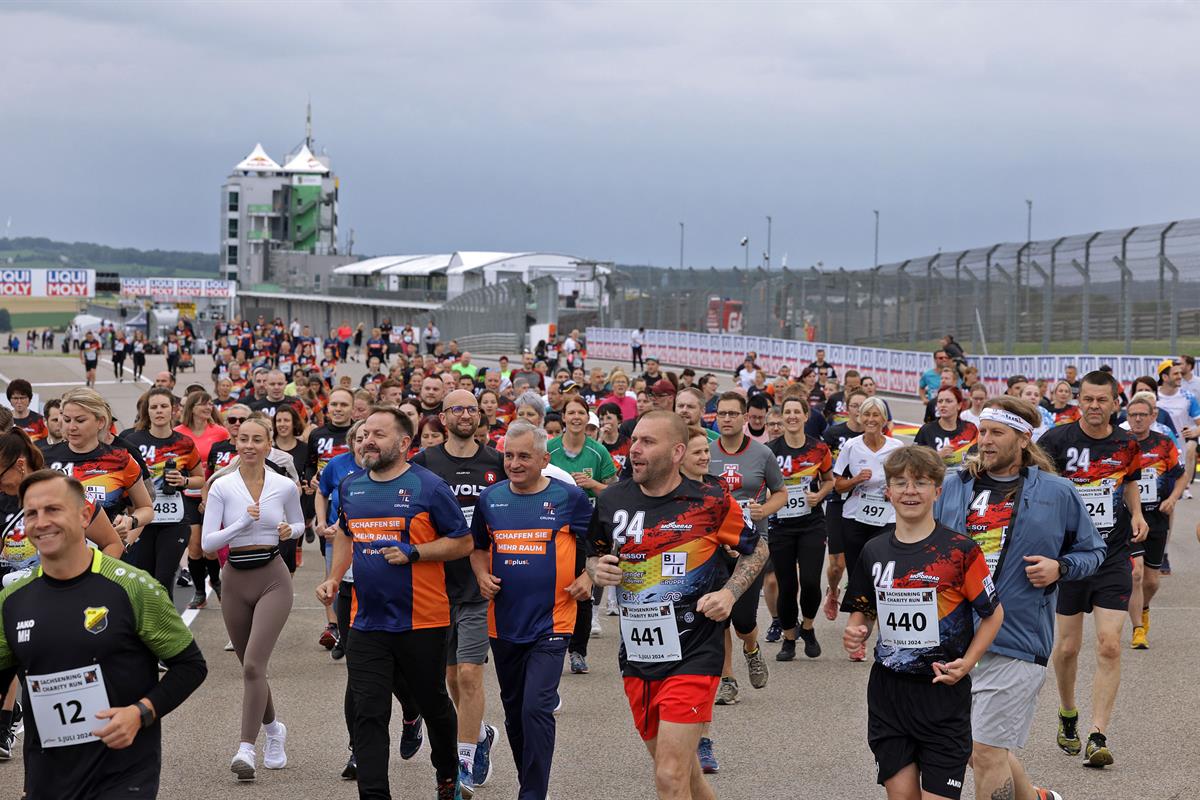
(187, 289)
(80, 283)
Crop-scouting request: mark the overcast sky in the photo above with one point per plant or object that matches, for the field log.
(595, 129)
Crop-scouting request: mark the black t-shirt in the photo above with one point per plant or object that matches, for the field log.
(1099, 468)
(300, 458)
(219, 456)
(112, 623)
(594, 397)
(671, 556)
(802, 468)
(325, 443)
(467, 478)
(989, 516)
(924, 595)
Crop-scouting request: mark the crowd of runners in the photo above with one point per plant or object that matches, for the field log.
(474, 520)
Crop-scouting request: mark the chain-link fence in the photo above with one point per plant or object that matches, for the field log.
(1108, 291)
(499, 308)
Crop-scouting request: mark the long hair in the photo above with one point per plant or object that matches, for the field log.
(1031, 455)
(16, 444)
(142, 422)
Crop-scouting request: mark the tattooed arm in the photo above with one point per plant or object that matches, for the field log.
(719, 604)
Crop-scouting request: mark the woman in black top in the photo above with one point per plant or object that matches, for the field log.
(287, 426)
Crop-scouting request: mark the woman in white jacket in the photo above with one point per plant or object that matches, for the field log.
(252, 510)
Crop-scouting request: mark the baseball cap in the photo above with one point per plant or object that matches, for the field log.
(662, 388)
(568, 386)
(593, 420)
(1165, 365)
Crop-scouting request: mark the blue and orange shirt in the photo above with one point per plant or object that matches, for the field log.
(414, 508)
(538, 543)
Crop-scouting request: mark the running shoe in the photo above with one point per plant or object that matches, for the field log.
(273, 755)
(199, 600)
(612, 610)
(229, 646)
(350, 773)
(812, 648)
(328, 636)
(1068, 732)
(449, 789)
(1138, 640)
(708, 761)
(1165, 569)
(578, 664)
(1187, 494)
(7, 740)
(338, 652)
(596, 629)
(1046, 794)
(831, 603)
(184, 580)
(557, 707)
(481, 770)
(243, 765)
(464, 781)
(411, 737)
(310, 535)
(787, 651)
(18, 719)
(1146, 619)
(774, 633)
(1097, 754)
(727, 692)
(758, 668)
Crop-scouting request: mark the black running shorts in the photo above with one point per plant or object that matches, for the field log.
(913, 721)
(1109, 588)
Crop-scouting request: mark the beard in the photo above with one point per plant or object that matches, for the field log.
(382, 460)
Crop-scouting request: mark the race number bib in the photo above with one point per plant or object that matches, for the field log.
(96, 495)
(1148, 486)
(797, 502)
(650, 633)
(168, 508)
(908, 618)
(65, 705)
(1099, 503)
(874, 509)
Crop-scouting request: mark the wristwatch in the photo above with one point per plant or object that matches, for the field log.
(1063, 566)
(414, 555)
(147, 714)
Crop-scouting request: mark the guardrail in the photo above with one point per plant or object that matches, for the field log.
(893, 370)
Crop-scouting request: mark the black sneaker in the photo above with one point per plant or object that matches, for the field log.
(184, 580)
(811, 648)
(350, 773)
(337, 653)
(310, 536)
(411, 737)
(774, 633)
(787, 651)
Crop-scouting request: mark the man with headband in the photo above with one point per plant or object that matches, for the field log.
(1028, 551)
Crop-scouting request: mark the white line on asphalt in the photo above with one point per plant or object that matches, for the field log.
(190, 614)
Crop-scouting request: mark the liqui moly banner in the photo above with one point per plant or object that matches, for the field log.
(893, 370)
(48, 283)
(182, 289)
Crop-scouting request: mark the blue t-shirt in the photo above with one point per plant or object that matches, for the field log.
(931, 379)
(331, 478)
(414, 508)
(538, 543)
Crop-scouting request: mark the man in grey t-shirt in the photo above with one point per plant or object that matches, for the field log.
(753, 477)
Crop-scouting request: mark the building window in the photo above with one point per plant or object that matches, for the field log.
(233, 201)
(233, 229)
(317, 280)
(232, 255)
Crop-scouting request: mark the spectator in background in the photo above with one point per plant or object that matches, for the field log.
(822, 367)
(931, 378)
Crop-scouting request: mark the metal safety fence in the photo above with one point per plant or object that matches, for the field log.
(1102, 291)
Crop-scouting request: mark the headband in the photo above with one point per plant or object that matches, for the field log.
(1008, 418)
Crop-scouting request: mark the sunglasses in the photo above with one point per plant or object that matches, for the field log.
(235, 420)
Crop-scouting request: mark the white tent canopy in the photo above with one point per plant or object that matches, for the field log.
(305, 161)
(258, 161)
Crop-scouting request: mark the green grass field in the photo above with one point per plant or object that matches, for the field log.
(41, 319)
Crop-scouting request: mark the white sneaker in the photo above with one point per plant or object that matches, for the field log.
(1187, 494)
(596, 629)
(558, 706)
(243, 765)
(273, 755)
(229, 646)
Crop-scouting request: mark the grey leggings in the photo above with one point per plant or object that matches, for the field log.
(255, 604)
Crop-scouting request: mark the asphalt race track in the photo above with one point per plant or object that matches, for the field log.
(803, 736)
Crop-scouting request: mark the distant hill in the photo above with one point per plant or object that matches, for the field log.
(131, 262)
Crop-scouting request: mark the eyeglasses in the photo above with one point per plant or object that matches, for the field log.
(460, 410)
(235, 420)
(728, 414)
(1138, 414)
(923, 484)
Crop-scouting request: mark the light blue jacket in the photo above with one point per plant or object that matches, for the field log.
(1050, 520)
